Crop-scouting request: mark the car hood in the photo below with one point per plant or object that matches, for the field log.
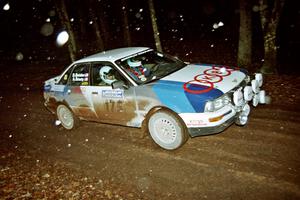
(188, 89)
(202, 78)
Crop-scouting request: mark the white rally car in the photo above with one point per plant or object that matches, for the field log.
(138, 86)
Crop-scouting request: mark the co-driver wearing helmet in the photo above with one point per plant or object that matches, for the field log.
(137, 70)
(107, 75)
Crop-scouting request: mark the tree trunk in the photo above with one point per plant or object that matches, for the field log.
(270, 21)
(103, 26)
(127, 37)
(270, 50)
(64, 18)
(245, 35)
(99, 40)
(154, 26)
(82, 20)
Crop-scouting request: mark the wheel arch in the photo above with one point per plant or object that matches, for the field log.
(53, 103)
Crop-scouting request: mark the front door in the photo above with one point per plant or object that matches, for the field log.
(111, 105)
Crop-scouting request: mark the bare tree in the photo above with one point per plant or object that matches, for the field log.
(154, 26)
(245, 34)
(127, 37)
(82, 18)
(270, 12)
(64, 18)
(102, 22)
(99, 40)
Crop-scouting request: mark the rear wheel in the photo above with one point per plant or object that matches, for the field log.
(167, 130)
(66, 116)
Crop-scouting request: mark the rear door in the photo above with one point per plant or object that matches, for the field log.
(76, 91)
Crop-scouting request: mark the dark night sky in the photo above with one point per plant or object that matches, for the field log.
(183, 23)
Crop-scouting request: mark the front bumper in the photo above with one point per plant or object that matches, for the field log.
(209, 123)
(211, 130)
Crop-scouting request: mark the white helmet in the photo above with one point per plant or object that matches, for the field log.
(107, 75)
(134, 63)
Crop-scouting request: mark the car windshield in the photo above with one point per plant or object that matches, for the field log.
(148, 66)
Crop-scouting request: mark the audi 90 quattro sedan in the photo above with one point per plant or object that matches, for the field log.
(138, 86)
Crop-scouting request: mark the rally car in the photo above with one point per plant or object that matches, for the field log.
(138, 86)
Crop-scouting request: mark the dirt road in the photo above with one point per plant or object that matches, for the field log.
(258, 161)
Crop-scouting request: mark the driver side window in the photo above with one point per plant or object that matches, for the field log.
(104, 74)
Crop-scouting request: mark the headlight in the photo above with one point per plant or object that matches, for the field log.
(259, 79)
(217, 104)
(209, 106)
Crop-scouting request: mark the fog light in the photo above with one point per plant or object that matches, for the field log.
(246, 110)
(259, 79)
(238, 97)
(255, 100)
(242, 120)
(262, 97)
(255, 86)
(248, 94)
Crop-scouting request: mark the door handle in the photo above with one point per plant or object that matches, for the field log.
(94, 92)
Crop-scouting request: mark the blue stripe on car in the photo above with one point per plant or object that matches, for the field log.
(198, 100)
(172, 94)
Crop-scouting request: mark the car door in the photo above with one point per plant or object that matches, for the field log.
(75, 92)
(111, 105)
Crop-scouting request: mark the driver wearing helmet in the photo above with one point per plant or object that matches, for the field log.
(137, 70)
(107, 75)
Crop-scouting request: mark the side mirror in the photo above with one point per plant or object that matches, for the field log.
(119, 85)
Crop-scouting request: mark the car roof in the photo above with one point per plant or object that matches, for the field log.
(113, 55)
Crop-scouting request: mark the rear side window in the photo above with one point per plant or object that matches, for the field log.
(79, 75)
(64, 79)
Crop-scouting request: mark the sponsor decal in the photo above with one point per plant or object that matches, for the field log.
(195, 123)
(80, 77)
(113, 93)
(203, 83)
(47, 88)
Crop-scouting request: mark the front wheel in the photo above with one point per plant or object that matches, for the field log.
(167, 130)
(66, 116)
